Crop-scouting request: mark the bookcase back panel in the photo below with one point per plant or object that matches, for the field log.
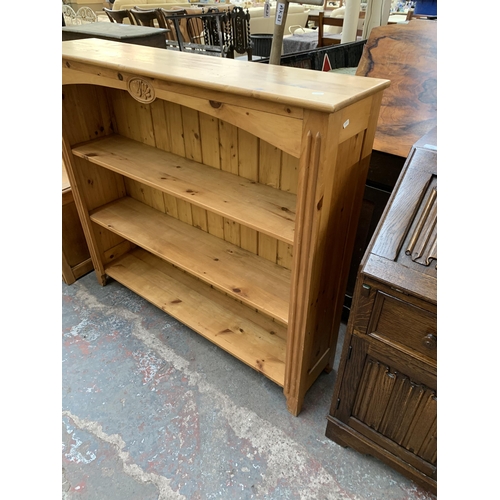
(86, 108)
(197, 136)
(249, 239)
(203, 138)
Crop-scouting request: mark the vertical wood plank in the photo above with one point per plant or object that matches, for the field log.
(215, 225)
(170, 203)
(268, 247)
(199, 217)
(428, 450)
(215, 222)
(285, 255)
(231, 231)
(228, 136)
(289, 176)
(136, 118)
(145, 194)
(380, 396)
(118, 99)
(184, 211)
(192, 138)
(209, 130)
(145, 122)
(160, 127)
(269, 164)
(249, 239)
(248, 156)
(175, 131)
(289, 173)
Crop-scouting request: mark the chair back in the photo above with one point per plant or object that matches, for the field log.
(69, 16)
(215, 28)
(172, 19)
(86, 15)
(240, 41)
(148, 17)
(325, 39)
(118, 16)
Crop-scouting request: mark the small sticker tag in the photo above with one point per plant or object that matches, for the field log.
(280, 10)
(267, 9)
(346, 123)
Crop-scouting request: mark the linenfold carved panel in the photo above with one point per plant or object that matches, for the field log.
(422, 247)
(399, 408)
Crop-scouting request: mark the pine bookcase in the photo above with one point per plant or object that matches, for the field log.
(224, 192)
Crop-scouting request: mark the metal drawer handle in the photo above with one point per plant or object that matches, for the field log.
(430, 341)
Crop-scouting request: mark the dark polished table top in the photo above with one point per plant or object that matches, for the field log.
(409, 105)
(113, 30)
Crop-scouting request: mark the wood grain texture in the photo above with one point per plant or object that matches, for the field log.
(76, 259)
(322, 91)
(247, 335)
(261, 284)
(385, 396)
(233, 129)
(406, 54)
(256, 205)
(358, 435)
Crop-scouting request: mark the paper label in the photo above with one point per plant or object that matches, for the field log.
(267, 9)
(280, 9)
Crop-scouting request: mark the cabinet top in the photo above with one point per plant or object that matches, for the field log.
(403, 250)
(316, 90)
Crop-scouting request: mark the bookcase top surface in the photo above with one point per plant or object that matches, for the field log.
(316, 90)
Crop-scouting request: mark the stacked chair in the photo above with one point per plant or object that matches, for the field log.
(219, 33)
(118, 16)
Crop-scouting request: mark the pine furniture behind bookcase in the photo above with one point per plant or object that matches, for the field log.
(226, 193)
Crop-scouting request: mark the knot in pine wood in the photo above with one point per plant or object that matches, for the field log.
(215, 104)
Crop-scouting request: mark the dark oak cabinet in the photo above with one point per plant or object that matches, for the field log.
(405, 54)
(385, 398)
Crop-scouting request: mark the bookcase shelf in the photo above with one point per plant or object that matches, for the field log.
(226, 194)
(243, 275)
(258, 206)
(247, 335)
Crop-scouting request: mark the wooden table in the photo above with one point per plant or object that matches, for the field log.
(406, 54)
(298, 43)
(126, 33)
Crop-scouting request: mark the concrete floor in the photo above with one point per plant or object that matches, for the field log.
(151, 410)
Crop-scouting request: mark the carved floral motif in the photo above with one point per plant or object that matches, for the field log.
(141, 90)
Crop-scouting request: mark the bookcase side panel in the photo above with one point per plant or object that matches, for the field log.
(344, 175)
(86, 114)
(335, 169)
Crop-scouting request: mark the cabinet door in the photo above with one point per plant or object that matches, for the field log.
(390, 399)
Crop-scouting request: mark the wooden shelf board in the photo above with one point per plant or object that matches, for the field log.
(243, 275)
(260, 207)
(247, 335)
